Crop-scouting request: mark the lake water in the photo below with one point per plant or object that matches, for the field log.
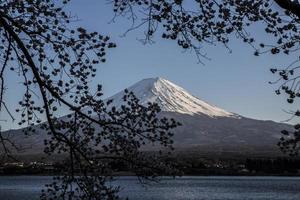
(190, 188)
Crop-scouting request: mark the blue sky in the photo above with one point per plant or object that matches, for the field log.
(237, 81)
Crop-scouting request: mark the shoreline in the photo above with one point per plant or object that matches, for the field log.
(178, 176)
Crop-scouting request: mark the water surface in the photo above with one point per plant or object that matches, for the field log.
(191, 188)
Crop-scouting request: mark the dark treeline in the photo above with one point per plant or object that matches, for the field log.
(187, 166)
(278, 165)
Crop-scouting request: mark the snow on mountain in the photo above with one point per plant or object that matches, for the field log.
(170, 97)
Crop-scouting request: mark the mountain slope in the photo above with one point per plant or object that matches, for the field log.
(206, 129)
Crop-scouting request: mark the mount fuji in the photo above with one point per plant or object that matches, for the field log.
(206, 129)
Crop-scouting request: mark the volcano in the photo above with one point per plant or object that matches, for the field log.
(206, 129)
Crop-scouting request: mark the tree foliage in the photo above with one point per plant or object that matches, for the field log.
(55, 64)
(195, 23)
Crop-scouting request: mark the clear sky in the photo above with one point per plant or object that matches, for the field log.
(236, 82)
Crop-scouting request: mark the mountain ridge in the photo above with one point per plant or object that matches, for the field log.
(205, 128)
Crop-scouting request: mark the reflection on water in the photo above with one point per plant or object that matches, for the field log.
(191, 188)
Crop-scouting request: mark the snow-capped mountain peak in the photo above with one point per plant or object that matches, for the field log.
(171, 98)
(205, 128)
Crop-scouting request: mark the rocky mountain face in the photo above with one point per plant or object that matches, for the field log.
(206, 129)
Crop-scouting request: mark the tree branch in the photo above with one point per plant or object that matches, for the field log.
(292, 6)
